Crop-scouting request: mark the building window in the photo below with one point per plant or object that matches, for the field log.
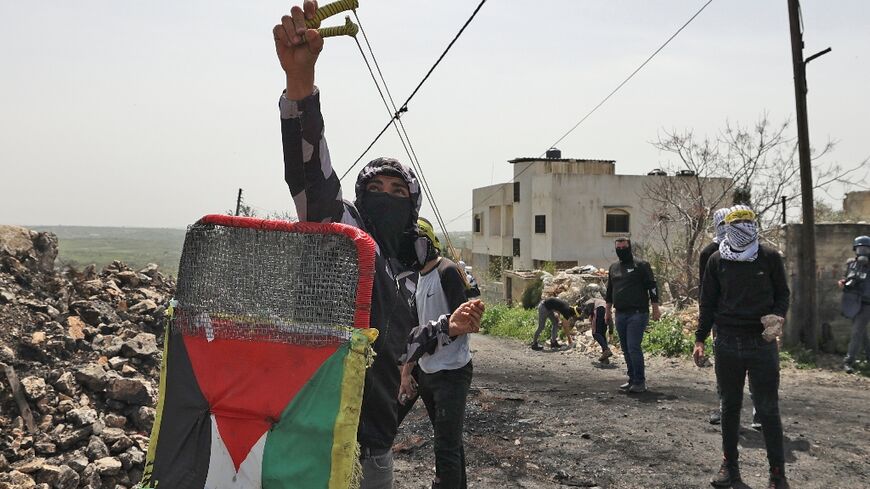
(495, 220)
(516, 191)
(617, 221)
(516, 246)
(540, 224)
(477, 225)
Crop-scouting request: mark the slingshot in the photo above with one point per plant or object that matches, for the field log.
(348, 29)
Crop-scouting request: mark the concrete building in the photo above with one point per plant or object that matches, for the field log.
(560, 210)
(857, 205)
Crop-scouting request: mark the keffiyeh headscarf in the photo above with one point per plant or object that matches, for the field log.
(741, 235)
(719, 223)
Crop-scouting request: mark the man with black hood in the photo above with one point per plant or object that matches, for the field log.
(387, 204)
(631, 287)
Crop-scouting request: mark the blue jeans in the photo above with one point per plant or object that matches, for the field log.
(737, 356)
(631, 326)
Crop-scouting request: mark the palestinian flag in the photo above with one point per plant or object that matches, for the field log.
(265, 357)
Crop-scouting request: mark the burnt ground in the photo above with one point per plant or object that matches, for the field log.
(557, 419)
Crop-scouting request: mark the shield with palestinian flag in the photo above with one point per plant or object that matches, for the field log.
(264, 357)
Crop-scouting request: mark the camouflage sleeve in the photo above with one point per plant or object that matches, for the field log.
(308, 171)
(426, 338)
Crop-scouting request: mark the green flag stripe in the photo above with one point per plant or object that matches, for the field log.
(298, 451)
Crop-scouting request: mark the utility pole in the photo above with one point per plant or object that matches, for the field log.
(806, 295)
(239, 202)
(784, 208)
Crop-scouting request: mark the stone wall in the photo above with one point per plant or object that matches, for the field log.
(833, 248)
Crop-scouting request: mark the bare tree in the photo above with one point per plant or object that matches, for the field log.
(754, 164)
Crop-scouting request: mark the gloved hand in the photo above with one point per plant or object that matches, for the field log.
(772, 326)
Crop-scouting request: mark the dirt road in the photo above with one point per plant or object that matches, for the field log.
(557, 419)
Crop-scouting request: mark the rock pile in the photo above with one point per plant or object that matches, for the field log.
(79, 366)
(575, 284)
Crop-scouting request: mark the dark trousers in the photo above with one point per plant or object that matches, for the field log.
(737, 356)
(599, 333)
(444, 394)
(859, 343)
(631, 326)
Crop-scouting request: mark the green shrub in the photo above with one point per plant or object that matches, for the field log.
(802, 357)
(549, 267)
(666, 337)
(532, 295)
(510, 322)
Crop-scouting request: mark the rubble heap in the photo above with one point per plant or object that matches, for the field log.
(575, 284)
(79, 367)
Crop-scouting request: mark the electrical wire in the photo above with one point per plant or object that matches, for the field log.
(404, 106)
(403, 134)
(602, 102)
(400, 129)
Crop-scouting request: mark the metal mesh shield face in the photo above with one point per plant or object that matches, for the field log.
(298, 283)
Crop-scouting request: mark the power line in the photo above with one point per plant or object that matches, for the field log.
(603, 101)
(402, 131)
(404, 106)
(400, 128)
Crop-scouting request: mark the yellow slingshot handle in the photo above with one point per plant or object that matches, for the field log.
(329, 10)
(348, 29)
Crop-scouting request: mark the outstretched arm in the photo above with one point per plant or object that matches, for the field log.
(315, 187)
(426, 337)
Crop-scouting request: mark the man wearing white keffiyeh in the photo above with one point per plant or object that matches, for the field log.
(745, 296)
(741, 235)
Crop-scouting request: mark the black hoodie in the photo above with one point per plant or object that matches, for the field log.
(316, 191)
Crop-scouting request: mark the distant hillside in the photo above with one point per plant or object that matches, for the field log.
(460, 239)
(83, 245)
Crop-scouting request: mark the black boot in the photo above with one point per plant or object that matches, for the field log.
(777, 479)
(716, 417)
(727, 476)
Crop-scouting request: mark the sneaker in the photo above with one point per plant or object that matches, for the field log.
(756, 423)
(625, 386)
(777, 480)
(637, 388)
(605, 355)
(726, 477)
(555, 344)
(716, 417)
(848, 368)
(537, 347)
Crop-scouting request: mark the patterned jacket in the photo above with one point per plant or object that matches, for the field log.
(317, 194)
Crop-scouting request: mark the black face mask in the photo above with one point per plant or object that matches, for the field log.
(425, 251)
(624, 255)
(388, 216)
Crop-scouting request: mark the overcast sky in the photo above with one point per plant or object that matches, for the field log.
(154, 113)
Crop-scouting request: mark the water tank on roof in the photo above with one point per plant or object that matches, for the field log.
(554, 154)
